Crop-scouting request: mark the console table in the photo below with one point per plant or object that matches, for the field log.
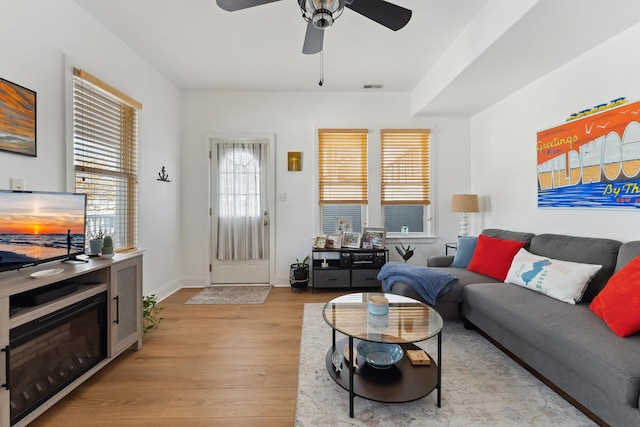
(119, 278)
(347, 268)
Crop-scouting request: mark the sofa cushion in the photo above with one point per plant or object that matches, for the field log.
(586, 250)
(509, 235)
(493, 256)
(571, 335)
(563, 280)
(618, 304)
(627, 252)
(464, 252)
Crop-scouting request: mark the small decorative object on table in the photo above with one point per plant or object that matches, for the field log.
(107, 247)
(378, 305)
(96, 242)
(380, 355)
(418, 357)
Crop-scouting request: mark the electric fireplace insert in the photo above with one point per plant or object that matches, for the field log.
(48, 353)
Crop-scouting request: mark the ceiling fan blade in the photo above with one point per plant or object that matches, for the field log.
(390, 15)
(233, 5)
(313, 39)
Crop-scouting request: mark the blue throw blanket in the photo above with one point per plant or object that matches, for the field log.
(431, 284)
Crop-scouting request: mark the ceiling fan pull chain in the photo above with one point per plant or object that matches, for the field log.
(321, 82)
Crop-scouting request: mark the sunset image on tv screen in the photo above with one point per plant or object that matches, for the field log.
(37, 226)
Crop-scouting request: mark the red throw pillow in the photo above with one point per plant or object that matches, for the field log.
(493, 256)
(618, 304)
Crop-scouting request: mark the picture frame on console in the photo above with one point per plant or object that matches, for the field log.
(351, 240)
(374, 237)
(320, 242)
(17, 119)
(334, 241)
(343, 225)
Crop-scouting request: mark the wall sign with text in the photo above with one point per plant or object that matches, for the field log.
(592, 161)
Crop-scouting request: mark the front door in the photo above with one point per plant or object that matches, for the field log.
(240, 213)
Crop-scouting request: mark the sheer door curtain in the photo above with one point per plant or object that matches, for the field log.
(241, 200)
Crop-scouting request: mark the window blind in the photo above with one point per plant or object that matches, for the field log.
(405, 166)
(342, 166)
(105, 157)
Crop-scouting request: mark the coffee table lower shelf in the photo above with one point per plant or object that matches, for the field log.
(403, 382)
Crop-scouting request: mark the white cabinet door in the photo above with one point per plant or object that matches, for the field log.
(126, 305)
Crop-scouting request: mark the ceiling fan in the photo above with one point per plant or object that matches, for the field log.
(321, 14)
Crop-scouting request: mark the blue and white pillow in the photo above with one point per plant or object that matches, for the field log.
(563, 280)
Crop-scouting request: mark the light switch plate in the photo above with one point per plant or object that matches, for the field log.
(17, 184)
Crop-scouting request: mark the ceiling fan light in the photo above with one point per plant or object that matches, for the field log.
(322, 19)
(321, 13)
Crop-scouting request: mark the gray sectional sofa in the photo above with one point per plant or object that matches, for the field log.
(567, 344)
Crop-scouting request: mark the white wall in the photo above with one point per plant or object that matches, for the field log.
(42, 40)
(503, 146)
(294, 118)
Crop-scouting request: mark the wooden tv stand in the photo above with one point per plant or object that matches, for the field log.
(120, 277)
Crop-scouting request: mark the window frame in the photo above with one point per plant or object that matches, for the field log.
(352, 168)
(372, 214)
(399, 139)
(104, 147)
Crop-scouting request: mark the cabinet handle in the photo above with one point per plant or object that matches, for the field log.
(117, 321)
(7, 368)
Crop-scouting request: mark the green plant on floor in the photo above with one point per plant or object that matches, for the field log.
(301, 268)
(150, 312)
(405, 253)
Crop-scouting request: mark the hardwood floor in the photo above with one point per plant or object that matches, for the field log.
(206, 365)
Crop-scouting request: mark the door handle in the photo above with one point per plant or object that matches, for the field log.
(7, 368)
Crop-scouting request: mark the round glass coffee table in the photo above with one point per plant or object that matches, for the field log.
(407, 321)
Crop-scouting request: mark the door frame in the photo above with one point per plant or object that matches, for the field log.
(270, 197)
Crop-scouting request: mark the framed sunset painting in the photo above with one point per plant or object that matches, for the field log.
(17, 119)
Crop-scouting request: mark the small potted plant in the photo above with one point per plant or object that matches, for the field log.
(150, 312)
(96, 242)
(107, 247)
(300, 273)
(405, 253)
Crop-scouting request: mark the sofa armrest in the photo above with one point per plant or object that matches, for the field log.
(440, 261)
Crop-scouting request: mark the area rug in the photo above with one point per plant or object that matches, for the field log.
(481, 386)
(231, 295)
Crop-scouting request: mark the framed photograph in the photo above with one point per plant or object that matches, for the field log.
(17, 119)
(343, 225)
(374, 236)
(294, 161)
(334, 241)
(351, 240)
(320, 242)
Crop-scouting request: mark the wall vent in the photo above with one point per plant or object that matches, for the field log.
(372, 86)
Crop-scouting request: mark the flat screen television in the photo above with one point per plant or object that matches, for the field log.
(39, 226)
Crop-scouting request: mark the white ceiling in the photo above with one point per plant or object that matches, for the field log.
(198, 46)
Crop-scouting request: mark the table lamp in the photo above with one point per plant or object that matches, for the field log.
(464, 203)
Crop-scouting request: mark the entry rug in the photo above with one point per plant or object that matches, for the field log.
(231, 295)
(481, 386)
